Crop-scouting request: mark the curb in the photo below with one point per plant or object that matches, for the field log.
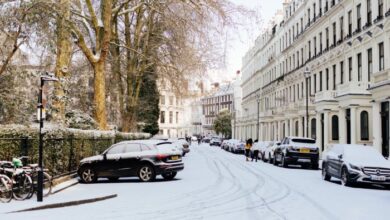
(66, 204)
(64, 188)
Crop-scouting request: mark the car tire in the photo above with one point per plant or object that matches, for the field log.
(146, 173)
(113, 179)
(270, 160)
(284, 162)
(325, 175)
(345, 181)
(314, 166)
(88, 175)
(275, 162)
(169, 176)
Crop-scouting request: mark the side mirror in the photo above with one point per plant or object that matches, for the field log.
(340, 156)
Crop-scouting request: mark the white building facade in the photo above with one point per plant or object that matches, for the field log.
(345, 45)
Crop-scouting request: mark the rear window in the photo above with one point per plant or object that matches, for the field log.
(305, 141)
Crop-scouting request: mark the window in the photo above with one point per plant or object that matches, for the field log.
(296, 128)
(162, 100)
(327, 78)
(129, 148)
(327, 38)
(116, 149)
(364, 136)
(308, 16)
(369, 12)
(334, 34)
(313, 128)
(320, 81)
(335, 128)
(369, 64)
(380, 8)
(315, 83)
(381, 57)
(341, 28)
(314, 11)
(162, 117)
(326, 5)
(350, 23)
(147, 148)
(170, 100)
(350, 69)
(177, 117)
(309, 50)
(359, 17)
(341, 72)
(359, 61)
(321, 42)
(171, 117)
(315, 46)
(320, 5)
(334, 77)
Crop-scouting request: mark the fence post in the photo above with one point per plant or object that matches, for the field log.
(71, 154)
(24, 146)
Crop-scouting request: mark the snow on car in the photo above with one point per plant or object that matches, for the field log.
(353, 163)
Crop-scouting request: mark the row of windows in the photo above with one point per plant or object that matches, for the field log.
(214, 109)
(218, 99)
(162, 117)
(171, 100)
(332, 77)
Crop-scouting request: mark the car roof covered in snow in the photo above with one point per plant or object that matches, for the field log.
(148, 142)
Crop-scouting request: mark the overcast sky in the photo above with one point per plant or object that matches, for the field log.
(238, 44)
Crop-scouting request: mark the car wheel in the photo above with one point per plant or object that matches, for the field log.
(146, 173)
(169, 176)
(88, 175)
(284, 162)
(345, 181)
(314, 166)
(325, 175)
(113, 179)
(275, 161)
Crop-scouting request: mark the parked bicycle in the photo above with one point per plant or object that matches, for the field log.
(32, 171)
(5, 188)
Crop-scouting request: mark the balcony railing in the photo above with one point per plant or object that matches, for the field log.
(325, 96)
(353, 88)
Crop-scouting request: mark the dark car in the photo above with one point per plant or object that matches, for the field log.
(297, 150)
(352, 163)
(145, 159)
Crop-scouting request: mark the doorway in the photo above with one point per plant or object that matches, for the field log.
(348, 119)
(385, 128)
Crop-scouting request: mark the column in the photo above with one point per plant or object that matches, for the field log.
(342, 127)
(353, 125)
(326, 129)
(287, 127)
(300, 134)
(318, 130)
(376, 126)
(291, 127)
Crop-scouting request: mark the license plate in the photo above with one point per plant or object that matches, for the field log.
(378, 178)
(304, 150)
(175, 158)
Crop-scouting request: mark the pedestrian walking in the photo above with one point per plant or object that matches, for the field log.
(255, 149)
(248, 146)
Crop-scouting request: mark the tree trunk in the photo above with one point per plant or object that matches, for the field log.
(100, 94)
(62, 63)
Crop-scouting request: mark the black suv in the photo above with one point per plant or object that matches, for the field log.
(145, 159)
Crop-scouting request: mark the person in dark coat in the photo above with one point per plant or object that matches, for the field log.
(248, 147)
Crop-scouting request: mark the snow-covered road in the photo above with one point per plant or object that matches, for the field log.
(219, 185)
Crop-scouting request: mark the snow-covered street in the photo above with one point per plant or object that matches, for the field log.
(216, 184)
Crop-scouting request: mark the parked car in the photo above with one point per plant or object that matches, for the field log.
(269, 152)
(237, 147)
(355, 164)
(263, 147)
(215, 141)
(206, 140)
(224, 144)
(182, 144)
(143, 158)
(297, 150)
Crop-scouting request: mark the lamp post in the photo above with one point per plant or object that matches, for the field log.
(47, 77)
(307, 73)
(258, 116)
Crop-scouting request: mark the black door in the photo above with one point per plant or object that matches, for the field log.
(348, 119)
(111, 162)
(385, 128)
(129, 161)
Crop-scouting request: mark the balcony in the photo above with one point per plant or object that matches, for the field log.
(353, 88)
(325, 96)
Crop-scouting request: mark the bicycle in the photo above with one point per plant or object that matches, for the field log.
(6, 186)
(32, 171)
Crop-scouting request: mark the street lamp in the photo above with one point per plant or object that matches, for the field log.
(258, 115)
(46, 77)
(307, 73)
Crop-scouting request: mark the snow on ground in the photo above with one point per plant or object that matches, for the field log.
(218, 185)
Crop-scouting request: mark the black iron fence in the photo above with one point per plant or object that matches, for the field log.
(61, 155)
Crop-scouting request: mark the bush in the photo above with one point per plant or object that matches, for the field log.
(63, 148)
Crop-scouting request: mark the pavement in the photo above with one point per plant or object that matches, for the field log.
(216, 184)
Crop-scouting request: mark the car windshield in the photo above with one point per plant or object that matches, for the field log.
(305, 141)
(364, 154)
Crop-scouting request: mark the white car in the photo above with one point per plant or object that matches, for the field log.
(269, 152)
(353, 163)
(182, 144)
(263, 147)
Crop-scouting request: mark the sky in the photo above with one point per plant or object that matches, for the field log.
(238, 44)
